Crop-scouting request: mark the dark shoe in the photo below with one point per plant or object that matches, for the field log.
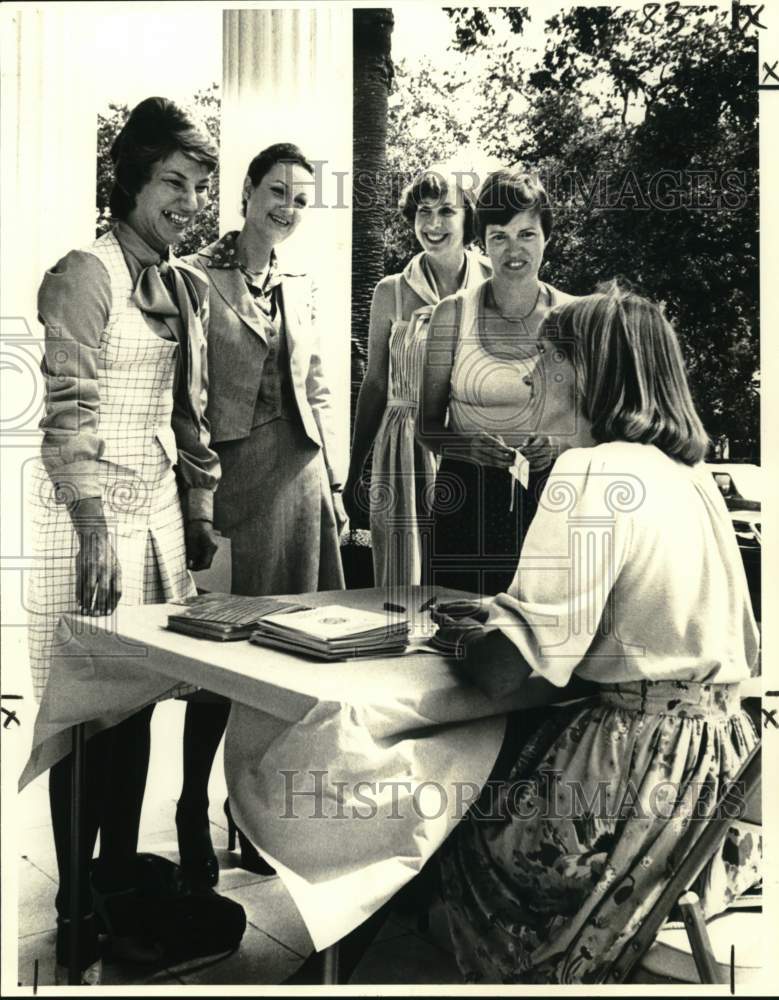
(121, 915)
(199, 866)
(250, 859)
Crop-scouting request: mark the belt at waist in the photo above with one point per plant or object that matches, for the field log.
(407, 404)
(685, 698)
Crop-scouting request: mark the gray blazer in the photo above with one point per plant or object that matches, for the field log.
(238, 346)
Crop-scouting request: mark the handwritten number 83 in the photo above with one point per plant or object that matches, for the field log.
(673, 18)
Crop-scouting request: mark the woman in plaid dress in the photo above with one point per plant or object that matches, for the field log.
(123, 495)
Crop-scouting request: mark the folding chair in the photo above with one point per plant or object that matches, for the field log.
(664, 955)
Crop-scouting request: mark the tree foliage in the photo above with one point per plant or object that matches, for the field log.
(205, 108)
(645, 132)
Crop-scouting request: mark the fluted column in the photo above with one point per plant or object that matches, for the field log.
(48, 136)
(287, 77)
(49, 141)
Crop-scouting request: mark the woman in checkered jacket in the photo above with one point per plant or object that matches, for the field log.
(123, 494)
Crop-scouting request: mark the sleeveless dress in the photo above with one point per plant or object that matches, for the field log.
(403, 472)
(136, 369)
(480, 512)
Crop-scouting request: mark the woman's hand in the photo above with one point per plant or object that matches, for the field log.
(353, 488)
(485, 449)
(201, 544)
(540, 451)
(98, 574)
(450, 612)
(340, 512)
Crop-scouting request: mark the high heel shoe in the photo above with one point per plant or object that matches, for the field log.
(250, 859)
(198, 863)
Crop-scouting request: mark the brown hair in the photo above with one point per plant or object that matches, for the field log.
(505, 193)
(156, 129)
(630, 371)
(433, 185)
(265, 161)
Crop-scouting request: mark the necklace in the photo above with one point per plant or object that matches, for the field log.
(517, 319)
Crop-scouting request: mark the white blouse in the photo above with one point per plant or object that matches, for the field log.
(630, 571)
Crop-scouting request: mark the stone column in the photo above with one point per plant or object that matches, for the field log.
(48, 125)
(287, 77)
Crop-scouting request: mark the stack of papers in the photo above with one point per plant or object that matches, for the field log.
(225, 617)
(334, 632)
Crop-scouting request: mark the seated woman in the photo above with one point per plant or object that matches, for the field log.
(630, 578)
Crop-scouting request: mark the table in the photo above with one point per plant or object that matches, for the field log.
(367, 751)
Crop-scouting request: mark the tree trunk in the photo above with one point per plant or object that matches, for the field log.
(372, 79)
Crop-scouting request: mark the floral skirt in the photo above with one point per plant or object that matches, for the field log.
(552, 871)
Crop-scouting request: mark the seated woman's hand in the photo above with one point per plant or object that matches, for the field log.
(451, 612)
(452, 635)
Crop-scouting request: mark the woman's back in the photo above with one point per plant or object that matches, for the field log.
(636, 552)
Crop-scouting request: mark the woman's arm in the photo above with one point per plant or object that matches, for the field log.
(372, 400)
(74, 305)
(492, 663)
(431, 429)
(197, 469)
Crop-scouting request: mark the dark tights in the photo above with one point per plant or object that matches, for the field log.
(117, 761)
(204, 725)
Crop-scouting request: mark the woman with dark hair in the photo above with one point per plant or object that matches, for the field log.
(600, 803)
(441, 212)
(279, 500)
(122, 500)
(476, 392)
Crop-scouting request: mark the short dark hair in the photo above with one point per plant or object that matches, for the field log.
(504, 193)
(156, 129)
(279, 152)
(431, 184)
(629, 370)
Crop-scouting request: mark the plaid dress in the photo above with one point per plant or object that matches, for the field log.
(136, 368)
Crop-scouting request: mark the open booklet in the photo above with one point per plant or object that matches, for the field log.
(226, 617)
(334, 632)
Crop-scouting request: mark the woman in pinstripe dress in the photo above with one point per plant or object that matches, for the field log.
(123, 494)
(403, 473)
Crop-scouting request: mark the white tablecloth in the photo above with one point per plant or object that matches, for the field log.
(386, 753)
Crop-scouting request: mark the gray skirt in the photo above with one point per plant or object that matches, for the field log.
(275, 506)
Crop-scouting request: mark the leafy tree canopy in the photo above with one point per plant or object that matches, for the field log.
(644, 131)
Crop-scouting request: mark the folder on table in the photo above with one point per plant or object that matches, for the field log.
(334, 632)
(226, 617)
